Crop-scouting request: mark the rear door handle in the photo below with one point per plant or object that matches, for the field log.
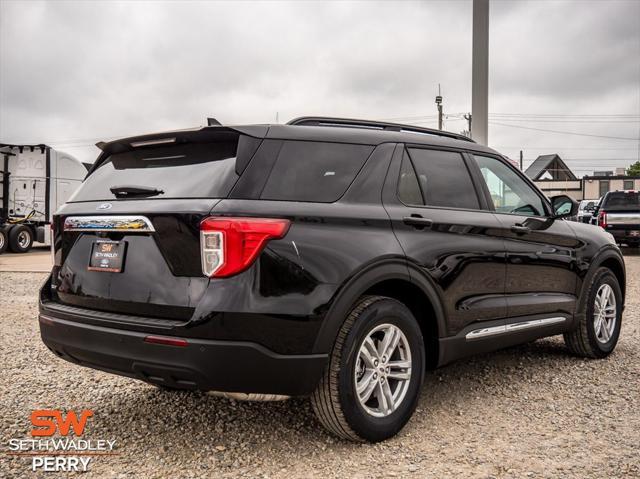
(521, 230)
(417, 221)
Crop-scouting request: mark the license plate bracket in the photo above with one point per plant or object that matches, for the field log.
(107, 256)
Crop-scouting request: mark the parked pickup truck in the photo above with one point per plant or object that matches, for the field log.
(619, 214)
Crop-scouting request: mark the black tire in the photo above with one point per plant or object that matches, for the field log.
(583, 340)
(20, 239)
(335, 400)
(4, 239)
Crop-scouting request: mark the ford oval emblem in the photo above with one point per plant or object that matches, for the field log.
(104, 206)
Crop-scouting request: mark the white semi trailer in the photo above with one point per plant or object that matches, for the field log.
(34, 181)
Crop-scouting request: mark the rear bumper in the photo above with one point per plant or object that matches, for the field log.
(229, 366)
(627, 234)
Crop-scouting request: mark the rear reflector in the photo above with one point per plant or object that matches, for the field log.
(166, 341)
(46, 320)
(230, 245)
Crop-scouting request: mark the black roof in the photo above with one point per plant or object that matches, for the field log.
(337, 134)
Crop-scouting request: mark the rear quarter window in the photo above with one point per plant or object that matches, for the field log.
(314, 171)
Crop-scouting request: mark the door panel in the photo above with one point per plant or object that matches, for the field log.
(462, 251)
(541, 266)
(541, 259)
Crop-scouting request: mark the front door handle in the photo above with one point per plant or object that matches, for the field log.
(417, 221)
(521, 230)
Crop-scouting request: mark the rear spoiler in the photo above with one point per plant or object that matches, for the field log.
(194, 135)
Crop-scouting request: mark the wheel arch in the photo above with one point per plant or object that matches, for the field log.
(389, 278)
(607, 257)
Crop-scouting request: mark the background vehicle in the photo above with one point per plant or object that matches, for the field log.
(34, 181)
(328, 257)
(585, 210)
(619, 214)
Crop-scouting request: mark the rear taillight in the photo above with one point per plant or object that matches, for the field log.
(229, 245)
(602, 219)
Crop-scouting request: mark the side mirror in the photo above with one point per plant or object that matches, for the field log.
(564, 206)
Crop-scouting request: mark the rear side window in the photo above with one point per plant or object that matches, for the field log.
(314, 171)
(444, 179)
(194, 170)
(622, 200)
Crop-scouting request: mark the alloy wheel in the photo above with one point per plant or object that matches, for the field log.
(383, 370)
(604, 313)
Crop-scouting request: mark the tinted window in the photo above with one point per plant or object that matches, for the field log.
(408, 187)
(509, 192)
(181, 171)
(621, 200)
(444, 179)
(313, 171)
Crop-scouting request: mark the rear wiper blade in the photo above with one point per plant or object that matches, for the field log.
(127, 191)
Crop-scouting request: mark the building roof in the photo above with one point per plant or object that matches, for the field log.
(552, 164)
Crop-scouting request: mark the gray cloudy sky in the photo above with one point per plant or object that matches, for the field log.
(73, 73)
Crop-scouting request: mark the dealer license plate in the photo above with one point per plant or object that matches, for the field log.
(107, 256)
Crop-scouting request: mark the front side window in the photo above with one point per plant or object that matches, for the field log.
(444, 179)
(509, 192)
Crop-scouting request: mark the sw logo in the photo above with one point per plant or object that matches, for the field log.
(51, 420)
(69, 452)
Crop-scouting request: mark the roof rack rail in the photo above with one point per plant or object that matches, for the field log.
(374, 125)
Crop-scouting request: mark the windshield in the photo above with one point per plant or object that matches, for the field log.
(193, 170)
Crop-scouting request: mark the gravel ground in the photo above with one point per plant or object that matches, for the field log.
(529, 411)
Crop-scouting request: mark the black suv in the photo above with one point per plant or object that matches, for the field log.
(326, 257)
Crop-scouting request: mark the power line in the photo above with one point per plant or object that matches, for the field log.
(564, 132)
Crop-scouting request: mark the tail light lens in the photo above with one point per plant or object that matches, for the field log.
(602, 219)
(230, 245)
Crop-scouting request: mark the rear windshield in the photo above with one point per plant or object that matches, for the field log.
(194, 170)
(622, 200)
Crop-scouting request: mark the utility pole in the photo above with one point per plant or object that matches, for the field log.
(521, 161)
(468, 118)
(439, 103)
(480, 72)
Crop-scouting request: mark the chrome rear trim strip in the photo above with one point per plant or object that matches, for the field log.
(127, 223)
(513, 327)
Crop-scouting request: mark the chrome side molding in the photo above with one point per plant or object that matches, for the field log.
(513, 327)
(126, 223)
